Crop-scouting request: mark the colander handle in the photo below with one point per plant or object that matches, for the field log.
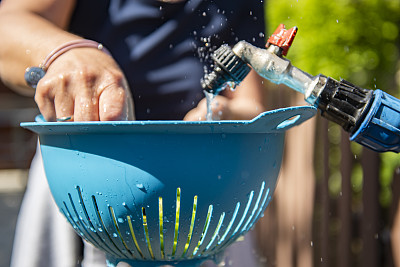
(283, 119)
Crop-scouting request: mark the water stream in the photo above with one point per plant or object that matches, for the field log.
(210, 98)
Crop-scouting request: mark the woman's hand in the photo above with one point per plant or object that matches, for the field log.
(225, 108)
(245, 103)
(85, 84)
(220, 108)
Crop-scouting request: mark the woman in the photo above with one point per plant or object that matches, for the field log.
(138, 59)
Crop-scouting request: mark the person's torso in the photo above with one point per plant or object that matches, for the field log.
(163, 48)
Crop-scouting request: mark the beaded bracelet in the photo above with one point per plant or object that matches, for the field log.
(34, 74)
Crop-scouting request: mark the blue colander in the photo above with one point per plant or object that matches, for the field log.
(151, 193)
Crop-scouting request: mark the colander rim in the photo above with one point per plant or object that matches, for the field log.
(266, 122)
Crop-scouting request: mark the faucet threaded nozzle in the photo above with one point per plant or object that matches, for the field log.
(228, 68)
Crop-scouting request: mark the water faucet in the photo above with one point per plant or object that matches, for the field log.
(372, 117)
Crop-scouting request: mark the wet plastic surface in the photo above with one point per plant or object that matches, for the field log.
(151, 192)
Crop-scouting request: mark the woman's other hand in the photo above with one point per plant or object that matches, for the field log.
(245, 103)
(220, 107)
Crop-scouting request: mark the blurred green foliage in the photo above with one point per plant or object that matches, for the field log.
(357, 40)
(350, 39)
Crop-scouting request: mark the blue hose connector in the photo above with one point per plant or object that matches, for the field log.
(380, 129)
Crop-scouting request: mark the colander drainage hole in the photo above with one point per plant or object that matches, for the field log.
(205, 229)
(133, 236)
(191, 227)
(161, 225)
(105, 232)
(216, 232)
(177, 215)
(112, 213)
(176, 226)
(247, 225)
(146, 232)
(96, 237)
(228, 229)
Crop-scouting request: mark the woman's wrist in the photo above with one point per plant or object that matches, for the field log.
(34, 74)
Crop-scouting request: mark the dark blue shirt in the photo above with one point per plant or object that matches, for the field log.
(164, 48)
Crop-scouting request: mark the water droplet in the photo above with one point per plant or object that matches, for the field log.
(337, 21)
(204, 14)
(261, 34)
(120, 220)
(115, 235)
(141, 188)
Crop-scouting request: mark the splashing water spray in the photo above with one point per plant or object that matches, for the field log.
(372, 117)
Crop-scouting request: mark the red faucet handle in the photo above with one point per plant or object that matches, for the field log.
(282, 38)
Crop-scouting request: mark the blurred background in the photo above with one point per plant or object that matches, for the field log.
(336, 203)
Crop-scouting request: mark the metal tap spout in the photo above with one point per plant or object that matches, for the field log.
(371, 117)
(269, 64)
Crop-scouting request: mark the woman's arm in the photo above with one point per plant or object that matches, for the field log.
(83, 82)
(30, 30)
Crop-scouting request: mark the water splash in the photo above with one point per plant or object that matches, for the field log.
(230, 86)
